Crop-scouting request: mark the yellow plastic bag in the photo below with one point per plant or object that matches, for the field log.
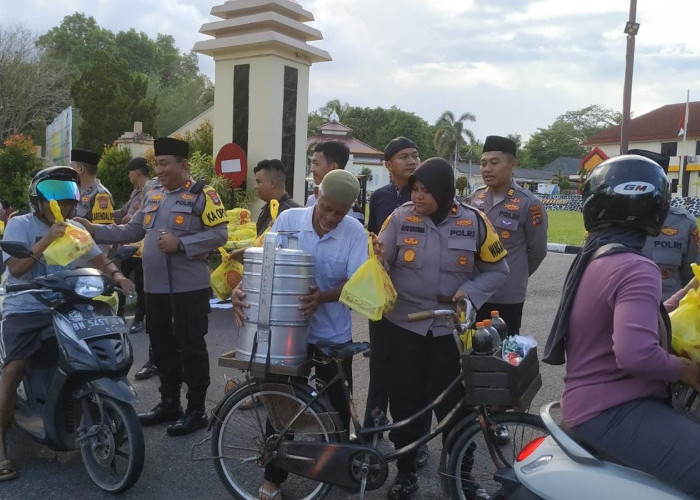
(369, 291)
(226, 277)
(274, 211)
(74, 243)
(685, 323)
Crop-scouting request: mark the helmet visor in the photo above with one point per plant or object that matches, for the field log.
(53, 189)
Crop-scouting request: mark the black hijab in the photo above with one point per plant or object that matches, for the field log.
(437, 176)
(617, 240)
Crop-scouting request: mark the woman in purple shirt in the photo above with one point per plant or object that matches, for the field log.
(615, 336)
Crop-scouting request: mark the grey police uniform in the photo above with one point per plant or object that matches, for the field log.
(96, 204)
(521, 223)
(426, 261)
(673, 250)
(198, 219)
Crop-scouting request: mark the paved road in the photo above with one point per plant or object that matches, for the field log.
(169, 472)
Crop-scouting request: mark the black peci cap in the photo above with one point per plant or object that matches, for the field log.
(498, 143)
(171, 146)
(82, 156)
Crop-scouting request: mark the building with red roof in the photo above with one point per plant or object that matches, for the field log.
(660, 130)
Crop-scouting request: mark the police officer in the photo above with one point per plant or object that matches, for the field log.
(95, 203)
(521, 222)
(401, 160)
(432, 247)
(182, 221)
(676, 246)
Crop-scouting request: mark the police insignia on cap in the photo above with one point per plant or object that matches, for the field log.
(409, 255)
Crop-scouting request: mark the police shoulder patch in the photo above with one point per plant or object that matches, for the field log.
(214, 212)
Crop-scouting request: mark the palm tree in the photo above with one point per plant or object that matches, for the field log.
(450, 134)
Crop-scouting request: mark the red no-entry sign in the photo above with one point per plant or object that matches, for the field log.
(231, 163)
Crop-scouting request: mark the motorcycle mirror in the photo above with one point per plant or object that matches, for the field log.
(17, 249)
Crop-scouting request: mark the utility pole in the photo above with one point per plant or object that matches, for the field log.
(631, 29)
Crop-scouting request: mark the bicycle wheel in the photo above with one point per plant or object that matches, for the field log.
(470, 467)
(244, 425)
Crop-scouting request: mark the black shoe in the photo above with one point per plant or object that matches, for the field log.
(137, 327)
(405, 484)
(193, 420)
(422, 457)
(166, 411)
(147, 371)
(367, 353)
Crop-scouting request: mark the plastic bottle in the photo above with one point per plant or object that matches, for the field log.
(500, 325)
(494, 333)
(482, 340)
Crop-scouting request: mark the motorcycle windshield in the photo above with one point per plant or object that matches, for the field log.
(53, 189)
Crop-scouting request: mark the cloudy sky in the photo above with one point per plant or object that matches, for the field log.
(515, 64)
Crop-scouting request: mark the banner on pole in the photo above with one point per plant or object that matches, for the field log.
(58, 138)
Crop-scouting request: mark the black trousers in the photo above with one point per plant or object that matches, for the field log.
(512, 314)
(422, 366)
(135, 266)
(337, 399)
(377, 394)
(180, 352)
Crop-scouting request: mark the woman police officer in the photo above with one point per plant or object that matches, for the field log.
(431, 246)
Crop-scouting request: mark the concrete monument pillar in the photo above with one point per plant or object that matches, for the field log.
(261, 95)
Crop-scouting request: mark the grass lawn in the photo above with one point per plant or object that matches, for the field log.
(565, 227)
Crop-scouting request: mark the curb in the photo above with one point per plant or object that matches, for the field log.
(561, 248)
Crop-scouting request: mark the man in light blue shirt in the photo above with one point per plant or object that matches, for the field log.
(339, 246)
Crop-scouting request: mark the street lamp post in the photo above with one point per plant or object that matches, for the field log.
(631, 29)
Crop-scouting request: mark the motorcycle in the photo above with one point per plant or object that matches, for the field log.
(557, 466)
(74, 393)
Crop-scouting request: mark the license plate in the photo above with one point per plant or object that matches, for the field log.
(99, 325)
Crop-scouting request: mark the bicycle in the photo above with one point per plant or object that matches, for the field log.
(284, 422)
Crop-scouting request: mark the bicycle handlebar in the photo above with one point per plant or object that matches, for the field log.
(422, 315)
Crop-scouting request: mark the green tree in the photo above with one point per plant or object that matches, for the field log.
(565, 136)
(198, 94)
(450, 134)
(461, 184)
(33, 86)
(110, 98)
(75, 41)
(113, 173)
(17, 160)
(367, 172)
(202, 139)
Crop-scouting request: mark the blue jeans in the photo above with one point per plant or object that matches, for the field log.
(650, 436)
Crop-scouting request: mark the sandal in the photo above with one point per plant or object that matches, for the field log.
(8, 470)
(264, 494)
